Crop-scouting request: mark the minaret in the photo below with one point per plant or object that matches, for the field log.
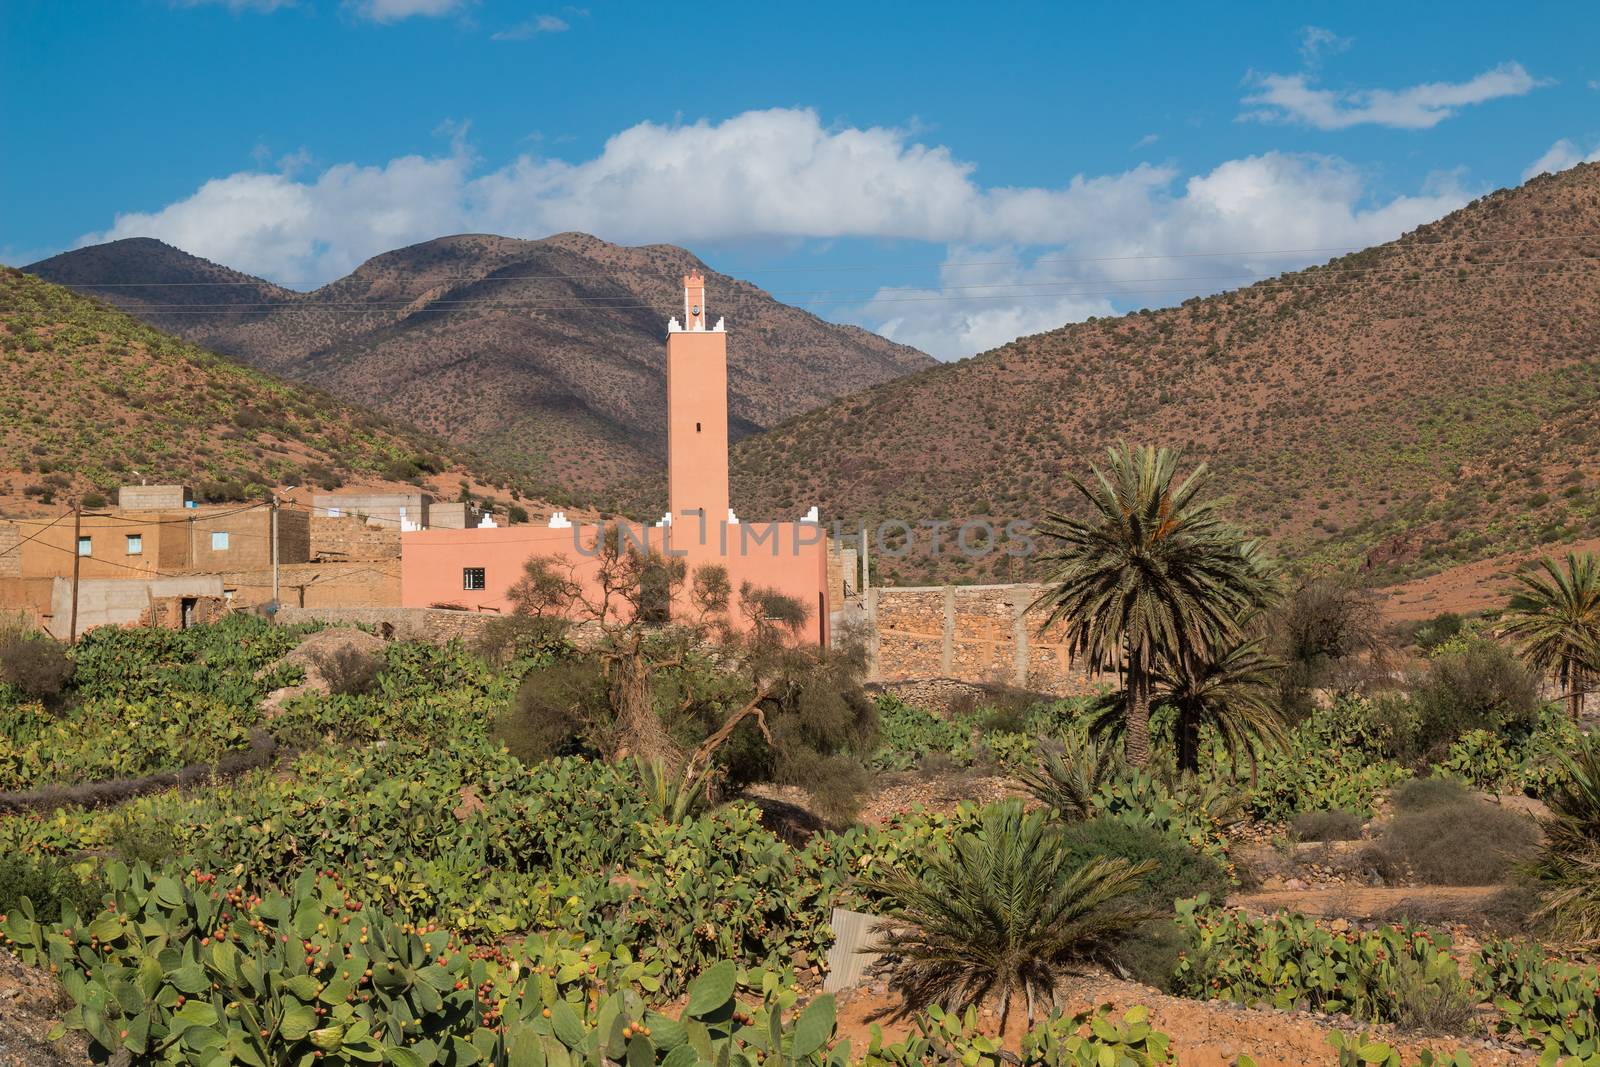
(697, 419)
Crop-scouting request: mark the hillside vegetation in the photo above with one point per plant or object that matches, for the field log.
(1418, 404)
(91, 398)
(545, 354)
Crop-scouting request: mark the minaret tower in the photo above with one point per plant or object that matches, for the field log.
(697, 418)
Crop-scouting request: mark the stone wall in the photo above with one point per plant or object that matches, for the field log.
(409, 624)
(945, 696)
(975, 633)
(120, 601)
(10, 550)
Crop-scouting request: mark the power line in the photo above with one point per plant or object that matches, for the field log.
(124, 520)
(16, 522)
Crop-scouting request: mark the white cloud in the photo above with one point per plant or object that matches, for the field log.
(1147, 140)
(1316, 42)
(396, 10)
(306, 233)
(1292, 98)
(783, 174)
(1560, 156)
(1272, 212)
(524, 30)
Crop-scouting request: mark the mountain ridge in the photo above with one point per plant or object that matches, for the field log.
(545, 354)
(1402, 408)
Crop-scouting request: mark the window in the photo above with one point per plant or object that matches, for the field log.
(219, 540)
(85, 547)
(135, 544)
(472, 578)
(697, 427)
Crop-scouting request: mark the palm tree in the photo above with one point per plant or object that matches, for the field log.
(1154, 570)
(1569, 865)
(1001, 915)
(1231, 689)
(1555, 620)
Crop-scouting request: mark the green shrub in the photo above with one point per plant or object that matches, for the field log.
(180, 969)
(1148, 953)
(908, 734)
(1287, 960)
(1177, 871)
(1547, 1001)
(1484, 686)
(51, 883)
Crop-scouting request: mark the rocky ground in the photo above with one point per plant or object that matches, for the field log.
(30, 1004)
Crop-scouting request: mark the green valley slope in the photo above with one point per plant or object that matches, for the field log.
(91, 398)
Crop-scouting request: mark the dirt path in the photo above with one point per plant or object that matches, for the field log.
(1204, 1033)
(1367, 902)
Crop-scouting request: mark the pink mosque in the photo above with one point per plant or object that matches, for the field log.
(476, 568)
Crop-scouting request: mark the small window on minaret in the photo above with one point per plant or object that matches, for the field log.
(697, 427)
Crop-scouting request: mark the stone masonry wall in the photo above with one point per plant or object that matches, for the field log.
(946, 696)
(10, 550)
(975, 633)
(409, 624)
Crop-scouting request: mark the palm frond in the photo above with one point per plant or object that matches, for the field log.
(1067, 781)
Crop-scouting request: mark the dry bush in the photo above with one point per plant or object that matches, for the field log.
(558, 709)
(1328, 826)
(512, 637)
(35, 665)
(1442, 834)
(348, 671)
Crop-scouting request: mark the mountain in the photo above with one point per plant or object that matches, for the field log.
(544, 354)
(1415, 405)
(91, 398)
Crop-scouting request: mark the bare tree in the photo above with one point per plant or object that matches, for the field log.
(657, 636)
(1328, 632)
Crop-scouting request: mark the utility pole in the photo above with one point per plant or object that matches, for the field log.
(274, 554)
(77, 560)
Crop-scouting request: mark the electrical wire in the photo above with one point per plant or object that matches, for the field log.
(31, 537)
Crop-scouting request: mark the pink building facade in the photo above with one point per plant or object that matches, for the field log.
(476, 568)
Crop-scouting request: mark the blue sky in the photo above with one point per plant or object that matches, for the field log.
(951, 175)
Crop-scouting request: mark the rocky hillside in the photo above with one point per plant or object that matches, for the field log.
(544, 354)
(1418, 404)
(91, 398)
